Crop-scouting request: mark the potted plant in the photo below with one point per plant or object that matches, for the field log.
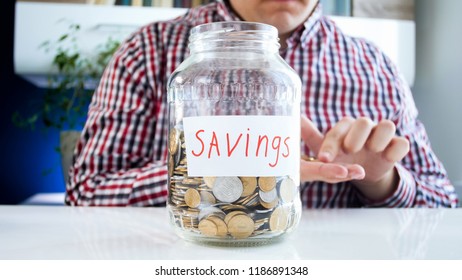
(64, 104)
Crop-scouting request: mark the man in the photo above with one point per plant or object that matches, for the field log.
(358, 116)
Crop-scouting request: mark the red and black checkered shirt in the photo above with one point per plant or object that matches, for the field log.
(121, 157)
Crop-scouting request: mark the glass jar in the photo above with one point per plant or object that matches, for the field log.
(234, 137)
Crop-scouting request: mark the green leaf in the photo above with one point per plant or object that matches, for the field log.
(63, 37)
(67, 98)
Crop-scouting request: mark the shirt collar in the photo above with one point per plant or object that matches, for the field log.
(308, 29)
(226, 12)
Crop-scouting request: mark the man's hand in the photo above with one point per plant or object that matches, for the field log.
(355, 149)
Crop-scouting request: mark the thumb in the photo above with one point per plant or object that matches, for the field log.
(310, 134)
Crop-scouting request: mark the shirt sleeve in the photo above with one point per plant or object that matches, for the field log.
(423, 180)
(114, 162)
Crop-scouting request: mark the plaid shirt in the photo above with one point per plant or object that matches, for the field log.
(121, 157)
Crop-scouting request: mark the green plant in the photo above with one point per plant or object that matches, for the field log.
(65, 101)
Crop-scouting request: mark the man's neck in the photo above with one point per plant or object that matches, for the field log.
(283, 37)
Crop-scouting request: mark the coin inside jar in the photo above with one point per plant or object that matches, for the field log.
(209, 181)
(269, 205)
(208, 227)
(232, 214)
(267, 183)
(227, 189)
(171, 166)
(249, 184)
(192, 198)
(207, 198)
(222, 228)
(287, 190)
(268, 196)
(173, 142)
(279, 219)
(241, 226)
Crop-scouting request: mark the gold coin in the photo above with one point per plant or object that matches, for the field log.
(222, 228)
(173, 141)
(258, 232)
(209, 181)
(259, 224)
(191, 212)
(232, 207)
(178, 154)
(287, 190)
(192, 198)
(250, 200)
(249, 184)
(267, 183)
(241, 226)
(171, 166)
(182, 169)
(208, 227)
(269, 205)
(189, 222)
(279, 219)
(191, 181)
(308, 158)
(232, 214)
(177, 198)
(207, 198)
(203, 187)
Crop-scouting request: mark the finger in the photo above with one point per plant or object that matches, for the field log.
(330, 172)
(397, 149)
(356, 172)
(310, 134)
(381, 136)
(357, 135)
(320, 171)
(333, 140)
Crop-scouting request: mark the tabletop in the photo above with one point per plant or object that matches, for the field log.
(58, 232)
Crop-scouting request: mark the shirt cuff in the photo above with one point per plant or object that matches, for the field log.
(404, 195)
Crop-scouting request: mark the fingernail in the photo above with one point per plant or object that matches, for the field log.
(325, 156)
(357, 176)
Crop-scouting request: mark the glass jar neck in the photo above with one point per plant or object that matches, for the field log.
(234, 36)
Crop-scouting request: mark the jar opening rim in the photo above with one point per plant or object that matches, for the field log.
(229, 29)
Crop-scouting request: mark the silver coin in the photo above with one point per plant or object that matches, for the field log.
(227, 189)
(268, 197)
(178, 155)
(207, 198)
(287, 190)
(263, 211)
(207, 211)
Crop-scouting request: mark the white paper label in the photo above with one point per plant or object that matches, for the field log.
(242, 145)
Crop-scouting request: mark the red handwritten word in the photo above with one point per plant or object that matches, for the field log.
(229, 144)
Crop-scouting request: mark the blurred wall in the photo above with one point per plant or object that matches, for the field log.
(438, 85)
(392, 9)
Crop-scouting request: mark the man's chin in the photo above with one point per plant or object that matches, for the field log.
(284, 23)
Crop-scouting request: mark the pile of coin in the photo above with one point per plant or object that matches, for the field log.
(228, 207)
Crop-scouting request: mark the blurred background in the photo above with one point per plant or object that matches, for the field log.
(30, 163)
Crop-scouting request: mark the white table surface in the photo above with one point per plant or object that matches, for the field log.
(56, 232)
